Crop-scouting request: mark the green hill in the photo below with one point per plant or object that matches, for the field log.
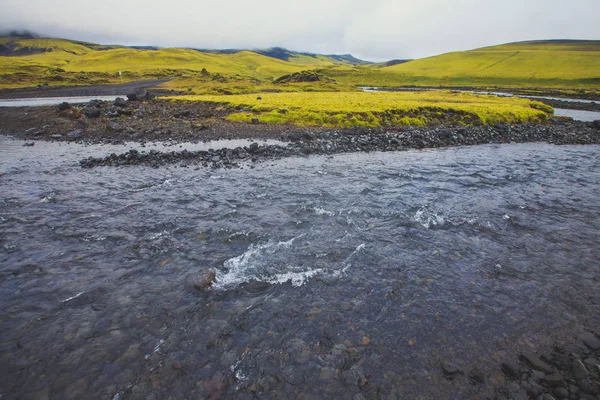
(27, 61)
(556, 64)
(542, 64)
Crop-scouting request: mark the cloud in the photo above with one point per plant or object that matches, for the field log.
(377, 29)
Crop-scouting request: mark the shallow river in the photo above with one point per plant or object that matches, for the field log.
(336, 275)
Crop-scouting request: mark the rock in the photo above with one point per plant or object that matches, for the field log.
(204, 279)
(449, 368)
(132, 97)
(64, 106)
(535, 362)
(114, 126)
(77, 133)
(579, 370)
(56, 136)
(253, 147)
(510, 369)
(255, 121)
(555, 380)
(77, 389)
(595, 124)
(31, 144)
(476, 377)
(91, 112)
(590, 340)
(120, 102)
(561, 393)
(176, 365)
(548, 397)
(587, 386)
(585, 396)
(538, 376)
(590, 362)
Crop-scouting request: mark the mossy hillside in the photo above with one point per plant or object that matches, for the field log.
(545, 64)
(378, 109)
(35, 61)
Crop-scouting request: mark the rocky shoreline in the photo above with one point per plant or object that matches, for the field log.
(568, 371)
(360, 140)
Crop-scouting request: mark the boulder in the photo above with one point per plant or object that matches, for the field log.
(77, 133)
(204, 279)
(113, 126)
(132, 97)
(91, 112)
(64, 106)
(120, 102)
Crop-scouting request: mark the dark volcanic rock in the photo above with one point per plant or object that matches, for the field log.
(535, 362)
(204, 279)
(590, 340)
(114, 126)
(561, 393)
(132, 97)
(579, 370)
(76, 134)
(555, 380)
(91, 112)
(120, 102)
(449, 368)
(64, 106)
(510, 369)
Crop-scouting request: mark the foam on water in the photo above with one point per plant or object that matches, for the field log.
(428, 218)
(273, 263)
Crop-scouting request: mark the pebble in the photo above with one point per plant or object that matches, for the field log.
(535, 362)
(555, 380)
(590, 340)
(561, 393)
(449, 368)
(510, 369)
(579, 370)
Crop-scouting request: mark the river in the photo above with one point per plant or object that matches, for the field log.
(336, 276)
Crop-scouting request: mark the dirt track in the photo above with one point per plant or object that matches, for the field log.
(69, 91)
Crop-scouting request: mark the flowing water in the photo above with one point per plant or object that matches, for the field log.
(336, 276)
(578, 115)
(52, 101)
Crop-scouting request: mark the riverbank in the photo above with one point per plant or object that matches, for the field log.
(183, 122)
(84, 90)
(302, 143)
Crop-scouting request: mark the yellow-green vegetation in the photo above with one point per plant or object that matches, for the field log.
(572, 67)
(378, 109)
(61, 62)
(543, 64)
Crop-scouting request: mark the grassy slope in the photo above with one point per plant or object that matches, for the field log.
(379, 109)
(547, 64)
(550, 64)
(77, 58)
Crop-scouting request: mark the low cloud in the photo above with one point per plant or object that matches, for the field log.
(375, 30)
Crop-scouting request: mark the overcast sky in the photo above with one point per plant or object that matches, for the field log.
(370, 29)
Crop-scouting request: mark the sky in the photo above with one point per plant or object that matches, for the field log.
(374, 30)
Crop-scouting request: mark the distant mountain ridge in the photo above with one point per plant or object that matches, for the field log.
(9, 46)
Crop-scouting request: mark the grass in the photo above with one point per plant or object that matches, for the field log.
(546, 64)
(344, 110)
(562, 65)
(63, 62)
